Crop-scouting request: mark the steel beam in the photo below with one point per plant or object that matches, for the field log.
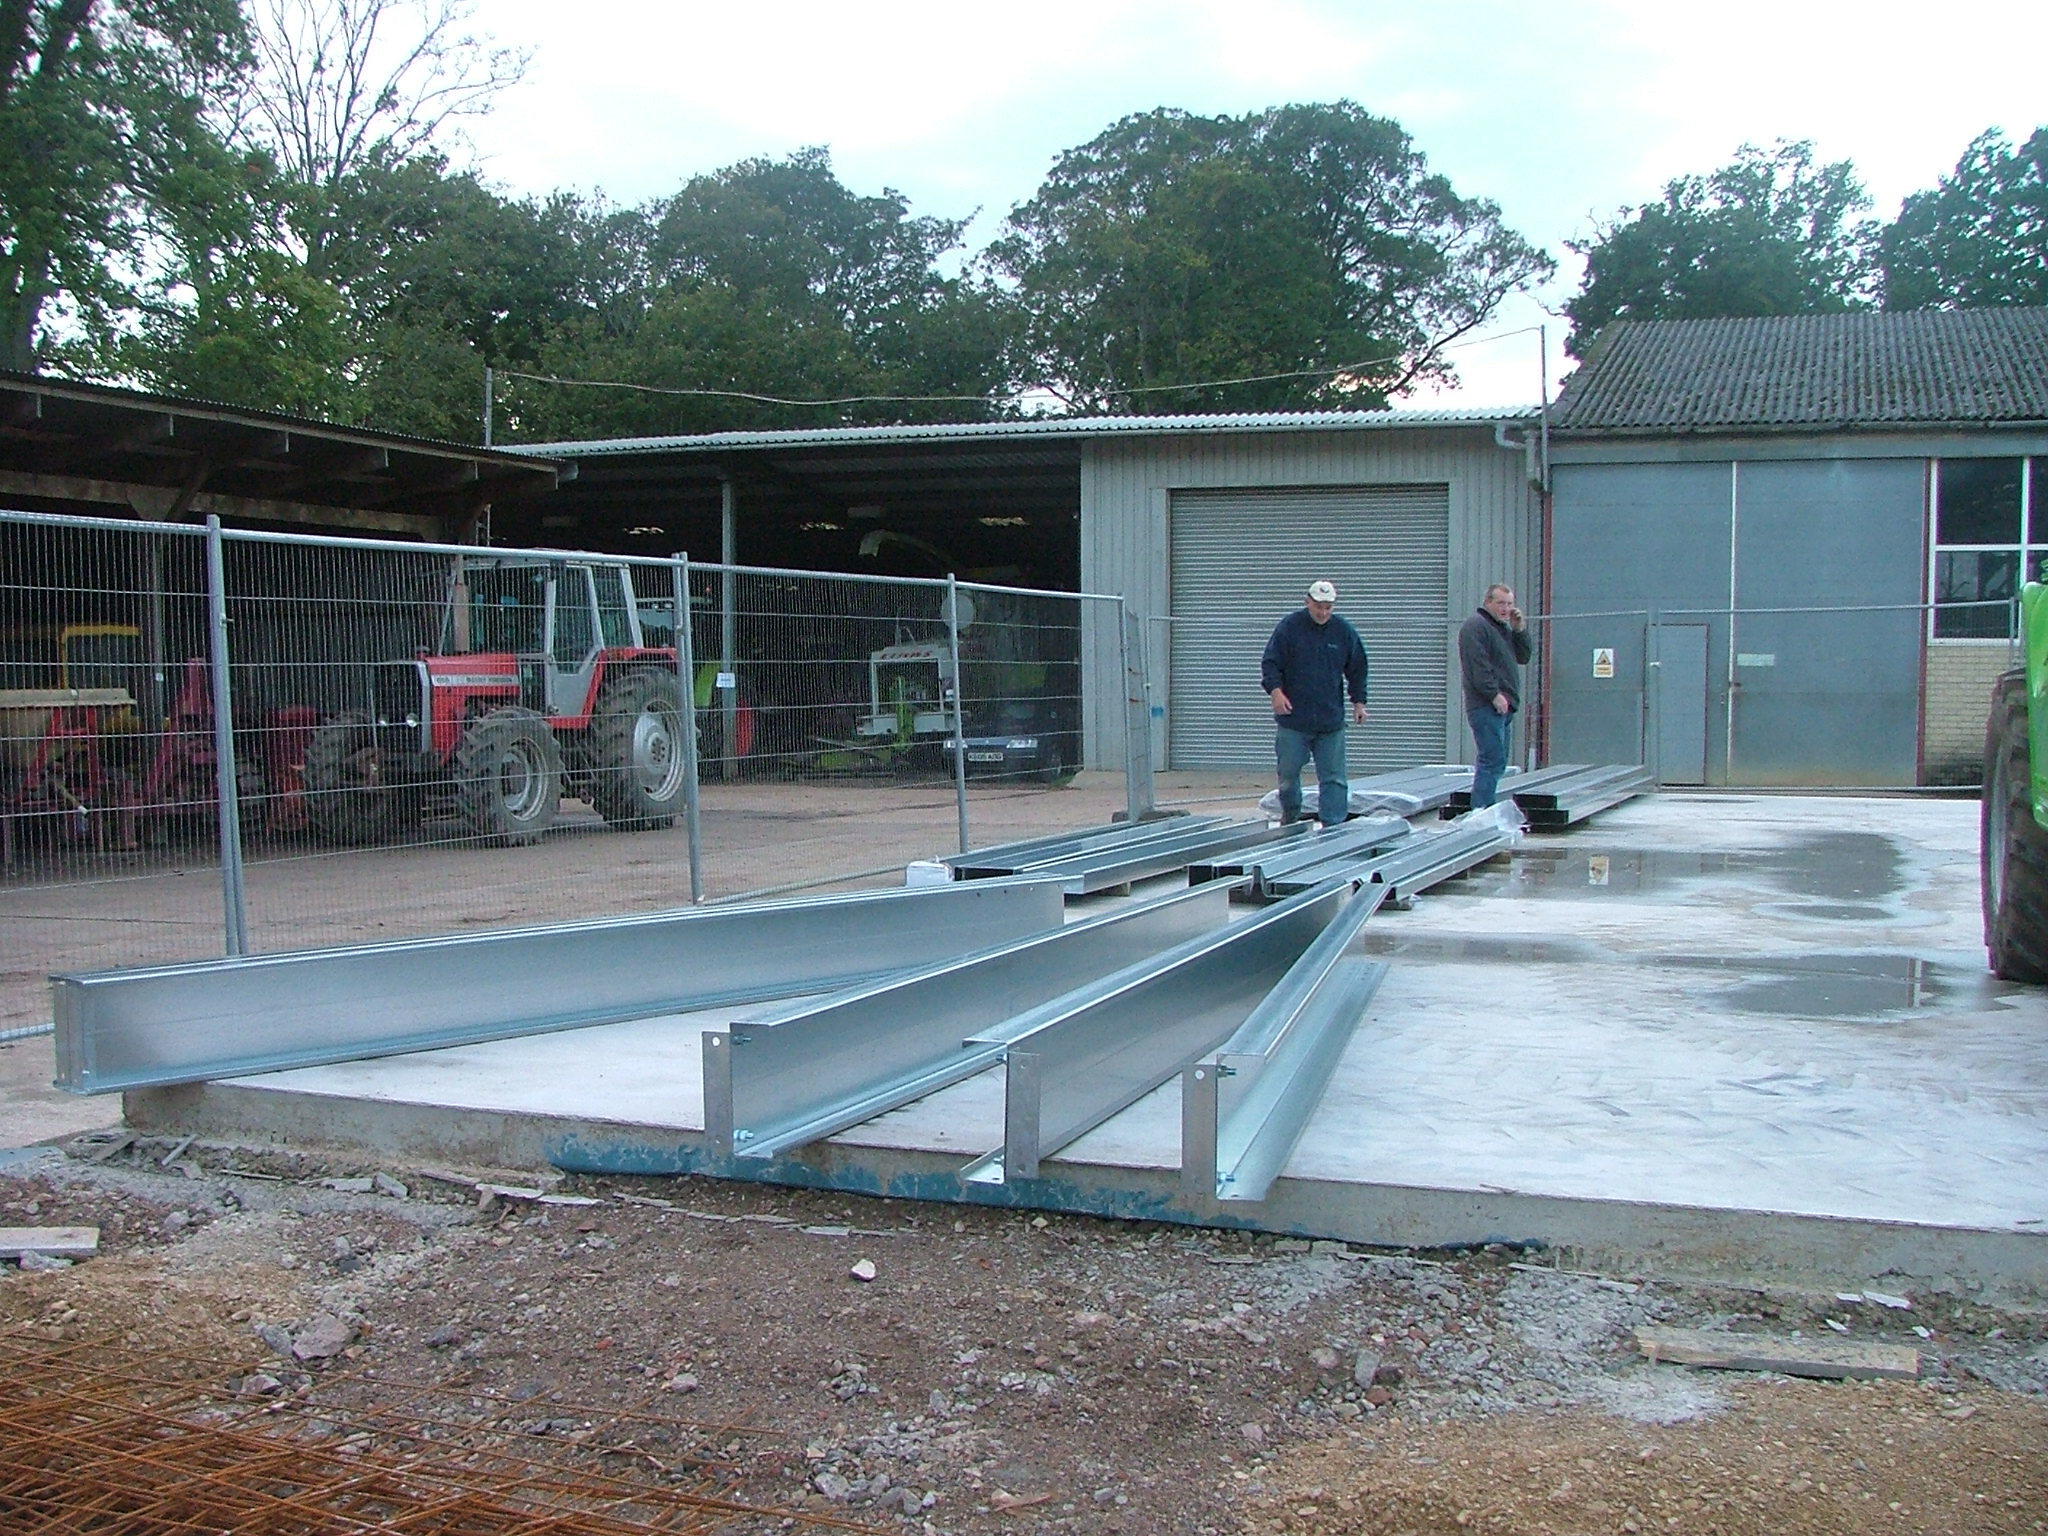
(776, 1083)
(1072, 1064)
(1412, 869)
(1243, 1106)
(1013, 858)
(1084, 873)
(153, 1027)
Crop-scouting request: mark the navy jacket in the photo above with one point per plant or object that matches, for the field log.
(1315, 663)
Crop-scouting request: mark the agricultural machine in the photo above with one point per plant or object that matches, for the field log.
(2013, 843)
(544, 684)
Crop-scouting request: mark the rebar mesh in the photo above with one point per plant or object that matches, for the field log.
(98, 1436)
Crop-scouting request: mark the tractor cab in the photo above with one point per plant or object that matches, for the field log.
(555, 619)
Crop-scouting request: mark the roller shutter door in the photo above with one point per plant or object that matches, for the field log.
(1242, 558)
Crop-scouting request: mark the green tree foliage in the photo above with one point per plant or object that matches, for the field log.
(1772, 233)
(1980, 237)
(103, 147)
(771, 278)
(1306, 249)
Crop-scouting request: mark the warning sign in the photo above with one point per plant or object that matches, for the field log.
(1603, 661)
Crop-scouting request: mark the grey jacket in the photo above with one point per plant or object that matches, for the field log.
(1489, 660)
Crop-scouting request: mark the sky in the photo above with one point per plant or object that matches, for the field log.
(1561, 114)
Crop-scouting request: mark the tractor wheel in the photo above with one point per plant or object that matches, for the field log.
(637, 775)
(348, 799)
(2013, 846)
(508, 777)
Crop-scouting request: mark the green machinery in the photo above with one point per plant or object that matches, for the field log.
(2013, 843)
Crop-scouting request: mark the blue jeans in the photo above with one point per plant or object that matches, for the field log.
(1489, 751)
(1292, 750)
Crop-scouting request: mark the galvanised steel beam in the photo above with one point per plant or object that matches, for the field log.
(1412, 791)
(1573, 804)
(1409, 870)
(153, 1027)
(1518, 784)
(1009, 858)
(776, 1083)
(1242, 1108)
(1357, 839)
(1077, 1061)
(1083, 873)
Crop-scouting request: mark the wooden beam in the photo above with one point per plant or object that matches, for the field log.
(1830, 1359)
(157, 502)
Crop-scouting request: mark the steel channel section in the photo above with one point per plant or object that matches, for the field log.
(1083, 1059)
(1353, 839)
(1089, 872)
(1591, 780)
(1011, 858)
(1409, 871)
(1568, 811)
(1522, 783)
(1235, 863)
(1255, 1092)
(776, 1083)
(148, 1028)
(1244, 1107)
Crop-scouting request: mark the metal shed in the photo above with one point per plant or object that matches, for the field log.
(1792, 543)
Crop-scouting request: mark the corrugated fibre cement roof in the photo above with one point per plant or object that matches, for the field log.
(1813, 372)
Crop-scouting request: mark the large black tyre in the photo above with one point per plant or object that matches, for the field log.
(508, 777)
(638, 775)
(348, 799)
(2012, 846)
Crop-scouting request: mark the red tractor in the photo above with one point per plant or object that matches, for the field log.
(544, 686)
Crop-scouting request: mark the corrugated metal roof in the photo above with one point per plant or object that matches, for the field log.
(1812, 372)
(1063, 426)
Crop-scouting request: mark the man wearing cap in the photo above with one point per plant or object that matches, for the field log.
(1313, 658)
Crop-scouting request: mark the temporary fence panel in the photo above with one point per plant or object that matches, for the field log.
(427, 739)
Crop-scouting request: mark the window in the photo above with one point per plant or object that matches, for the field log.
(1990, 530)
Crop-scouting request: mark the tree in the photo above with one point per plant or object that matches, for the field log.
(1980, 237)
(1771, 233)
(344, 85)
(1306, 253)
(102, 134)
(772, 278)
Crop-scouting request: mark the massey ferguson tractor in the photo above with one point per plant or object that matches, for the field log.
(2013, 846)
(543, 685)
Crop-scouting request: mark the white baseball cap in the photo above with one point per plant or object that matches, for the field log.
(1322, 592)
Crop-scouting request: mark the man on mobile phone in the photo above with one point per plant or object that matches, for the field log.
(1493, 646)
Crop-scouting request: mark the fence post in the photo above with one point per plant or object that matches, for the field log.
(958, 717)
(1139, 804)
(686, 683)
(1653, 696)
(227, 799)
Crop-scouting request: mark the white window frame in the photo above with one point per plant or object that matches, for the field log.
(2031, 496)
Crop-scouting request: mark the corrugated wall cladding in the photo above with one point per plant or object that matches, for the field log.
(1817, 371)
(1126, 491)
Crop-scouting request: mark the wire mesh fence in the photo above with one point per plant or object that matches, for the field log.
(224, 738)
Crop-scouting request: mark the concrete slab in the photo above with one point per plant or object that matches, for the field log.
(1737, 1036)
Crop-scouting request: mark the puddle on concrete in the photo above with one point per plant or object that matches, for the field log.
(1479, 947)
(1844, 866)
(1843, 986)
(1616, 872)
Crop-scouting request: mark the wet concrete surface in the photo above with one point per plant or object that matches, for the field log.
(1663, 1017)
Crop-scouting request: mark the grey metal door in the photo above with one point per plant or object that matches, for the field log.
(1681, 703)
(1241, 558)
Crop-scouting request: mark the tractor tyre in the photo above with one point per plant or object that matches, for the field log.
(348, 799)
(638, 775)
(508, 778)
(2013, 846)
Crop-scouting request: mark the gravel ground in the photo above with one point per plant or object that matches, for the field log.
(948, 1369)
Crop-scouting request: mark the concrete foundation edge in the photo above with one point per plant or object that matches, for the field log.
(1619, 1238)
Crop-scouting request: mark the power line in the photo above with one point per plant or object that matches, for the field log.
(1136, 389)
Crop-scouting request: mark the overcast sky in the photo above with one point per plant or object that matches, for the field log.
(1560, 113)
